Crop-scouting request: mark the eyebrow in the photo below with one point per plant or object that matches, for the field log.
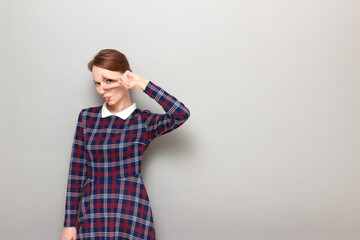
(102, 78)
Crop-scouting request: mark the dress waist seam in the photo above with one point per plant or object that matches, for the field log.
(119, 178)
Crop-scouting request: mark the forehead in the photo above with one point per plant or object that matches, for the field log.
(100, 74)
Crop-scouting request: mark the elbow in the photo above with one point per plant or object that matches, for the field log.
(187, 114)
(180, 119)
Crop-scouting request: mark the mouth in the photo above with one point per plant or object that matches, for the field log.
(107, 98)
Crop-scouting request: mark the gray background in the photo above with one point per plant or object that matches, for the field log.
(270, 151)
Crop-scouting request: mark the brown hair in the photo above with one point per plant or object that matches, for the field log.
(110, 59)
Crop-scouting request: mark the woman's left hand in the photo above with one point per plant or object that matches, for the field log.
(132, 80)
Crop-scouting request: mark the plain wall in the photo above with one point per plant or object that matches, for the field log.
(270, 151)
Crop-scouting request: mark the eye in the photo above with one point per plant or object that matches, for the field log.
(96, 83)
(109, 80)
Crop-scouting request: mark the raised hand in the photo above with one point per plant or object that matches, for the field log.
(132, 80)
(129, 80)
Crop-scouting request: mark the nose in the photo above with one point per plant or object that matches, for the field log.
(103, 89)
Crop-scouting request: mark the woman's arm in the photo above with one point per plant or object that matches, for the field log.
(157, 124)
(176, 112)
(76, 176)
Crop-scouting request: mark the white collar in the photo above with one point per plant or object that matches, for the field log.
(123, 114)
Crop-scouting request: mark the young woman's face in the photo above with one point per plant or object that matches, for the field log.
(103, 79)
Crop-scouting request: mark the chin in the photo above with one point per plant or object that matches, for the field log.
(112, 102)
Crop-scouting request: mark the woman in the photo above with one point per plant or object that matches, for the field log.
(106, 197)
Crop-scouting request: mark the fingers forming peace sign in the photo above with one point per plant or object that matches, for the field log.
(128, 79)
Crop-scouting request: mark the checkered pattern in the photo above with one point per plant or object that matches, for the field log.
(106, 197)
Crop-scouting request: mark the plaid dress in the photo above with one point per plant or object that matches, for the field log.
(106, 197)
